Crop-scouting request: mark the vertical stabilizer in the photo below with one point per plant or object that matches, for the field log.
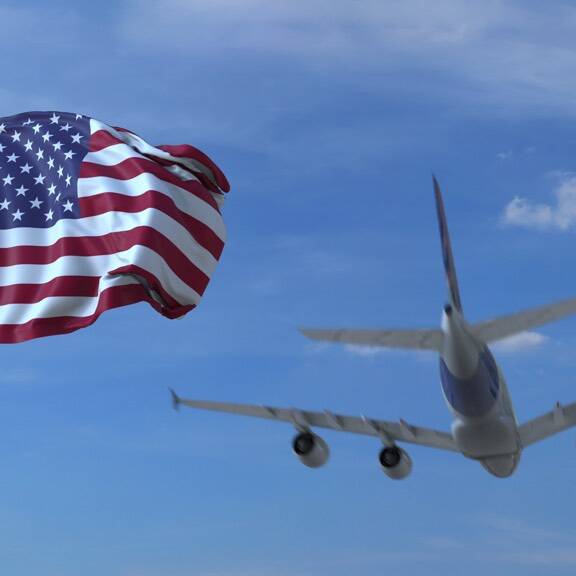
(449, 268)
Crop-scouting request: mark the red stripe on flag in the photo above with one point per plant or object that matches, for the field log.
(102, 139)
(60, 286)
(111, 243)
(113, 297)
(82, 286)
(113, 202)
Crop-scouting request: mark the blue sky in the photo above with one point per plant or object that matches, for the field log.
(328, 119)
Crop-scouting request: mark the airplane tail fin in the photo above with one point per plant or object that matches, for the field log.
(489, 331)
(447, 256)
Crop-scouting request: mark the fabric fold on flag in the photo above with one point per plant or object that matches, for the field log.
(92, 217)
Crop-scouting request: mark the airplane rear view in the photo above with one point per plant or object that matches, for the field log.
(484, 425)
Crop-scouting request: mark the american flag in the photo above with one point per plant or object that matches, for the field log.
(92, 217)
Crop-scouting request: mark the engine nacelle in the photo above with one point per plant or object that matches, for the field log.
(395, 463)
(310, 449)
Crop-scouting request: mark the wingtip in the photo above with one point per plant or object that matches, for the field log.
(175, 399)
(309, 333)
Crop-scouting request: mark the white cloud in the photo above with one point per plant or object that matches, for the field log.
(354, 349)
(560, 215)
(520, 342)
(520, 212)
(368, 352)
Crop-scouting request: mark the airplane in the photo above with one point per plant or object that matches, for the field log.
(484, 426)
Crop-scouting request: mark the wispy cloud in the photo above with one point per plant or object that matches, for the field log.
(354, 349)
(512, 541)
(42, 27)
(516, 67)
(305, 29)
(557, 215)
(17, 376)
(365, 351)
(522, 342)
(531, 544)
(518, 528)
(369, 352)
(442, 543)
(551, 558)
(290, 258)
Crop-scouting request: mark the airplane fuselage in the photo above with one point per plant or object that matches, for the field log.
(484, 424)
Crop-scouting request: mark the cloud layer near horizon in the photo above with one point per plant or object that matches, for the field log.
(506, 56)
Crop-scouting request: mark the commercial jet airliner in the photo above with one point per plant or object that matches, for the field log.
(484, 426)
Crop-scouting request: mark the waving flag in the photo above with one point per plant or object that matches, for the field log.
(92, 217)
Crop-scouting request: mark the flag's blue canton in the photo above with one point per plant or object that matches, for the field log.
(40, 157)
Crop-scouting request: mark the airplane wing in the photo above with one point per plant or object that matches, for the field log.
(553, 422)
(389, 431)
(505, 326)
(415, 339)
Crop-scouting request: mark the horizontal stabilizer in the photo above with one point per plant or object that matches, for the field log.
(505, 326)
(413, 339)
(553, 422)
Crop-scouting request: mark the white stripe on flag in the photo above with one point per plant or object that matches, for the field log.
(111, 222)
(100, 266)
(142, 146)
(134, 187)
(54, 306)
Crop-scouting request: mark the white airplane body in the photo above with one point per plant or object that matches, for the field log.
(484, 426)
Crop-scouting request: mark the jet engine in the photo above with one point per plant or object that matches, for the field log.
(395, 462)
(310, 449)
